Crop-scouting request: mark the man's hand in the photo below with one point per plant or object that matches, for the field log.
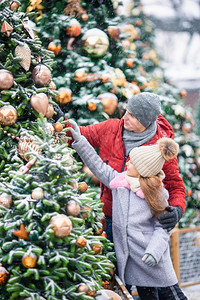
(169, 219)
(75, 131)
(149, 260)
(58, 113)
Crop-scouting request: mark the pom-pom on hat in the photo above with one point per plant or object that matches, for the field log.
(145, 107)
(149, 160)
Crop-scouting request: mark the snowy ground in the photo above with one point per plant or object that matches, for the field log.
(192, 292)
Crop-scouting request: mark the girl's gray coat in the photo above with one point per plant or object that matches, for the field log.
(135, 230)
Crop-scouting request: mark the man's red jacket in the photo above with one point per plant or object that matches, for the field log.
(107, 137)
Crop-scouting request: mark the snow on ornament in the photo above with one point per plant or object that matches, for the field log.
(50, 128)
(117, 76)
(64, 96)
(95, 42)
(29, 261)
(74, 28)
(179, 110)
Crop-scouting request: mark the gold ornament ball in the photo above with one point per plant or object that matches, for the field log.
(95, 42)
(62, 225)
(82, 288)
(65, 96)
(5, 200)
(37, 193)
(29, 261)
(117, 77)
(81, 242)
(110, 102)
(6, 79)
(97, 248)
(41, 75)
(8, 115)
(50, 111)
(4, 275)
(72, 208)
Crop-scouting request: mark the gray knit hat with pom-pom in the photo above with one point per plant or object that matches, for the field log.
(149, 160)
(145, 107)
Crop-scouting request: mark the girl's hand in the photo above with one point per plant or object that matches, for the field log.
(75, 131)
(149, 260)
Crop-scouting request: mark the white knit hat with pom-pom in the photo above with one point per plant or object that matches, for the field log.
(149, 160)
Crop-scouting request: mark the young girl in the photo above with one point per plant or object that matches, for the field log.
(141, 244)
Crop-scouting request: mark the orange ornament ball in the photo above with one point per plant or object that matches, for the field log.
(129, 63)
(97, 248)
(54, 48)
(84, 17)
(81, 242)
(92, 106)
(58, 127)
(4, 275)
(183, 93)
(64, 96)
(92, 293)
(74, 28)
(29, 261)
(82, 187)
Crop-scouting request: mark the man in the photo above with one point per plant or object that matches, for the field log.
(142, 124)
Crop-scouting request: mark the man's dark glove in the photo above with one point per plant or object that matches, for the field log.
(169, 219)
(58, 113)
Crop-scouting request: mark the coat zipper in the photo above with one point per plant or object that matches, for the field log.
(102, 188)
(124, 163)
